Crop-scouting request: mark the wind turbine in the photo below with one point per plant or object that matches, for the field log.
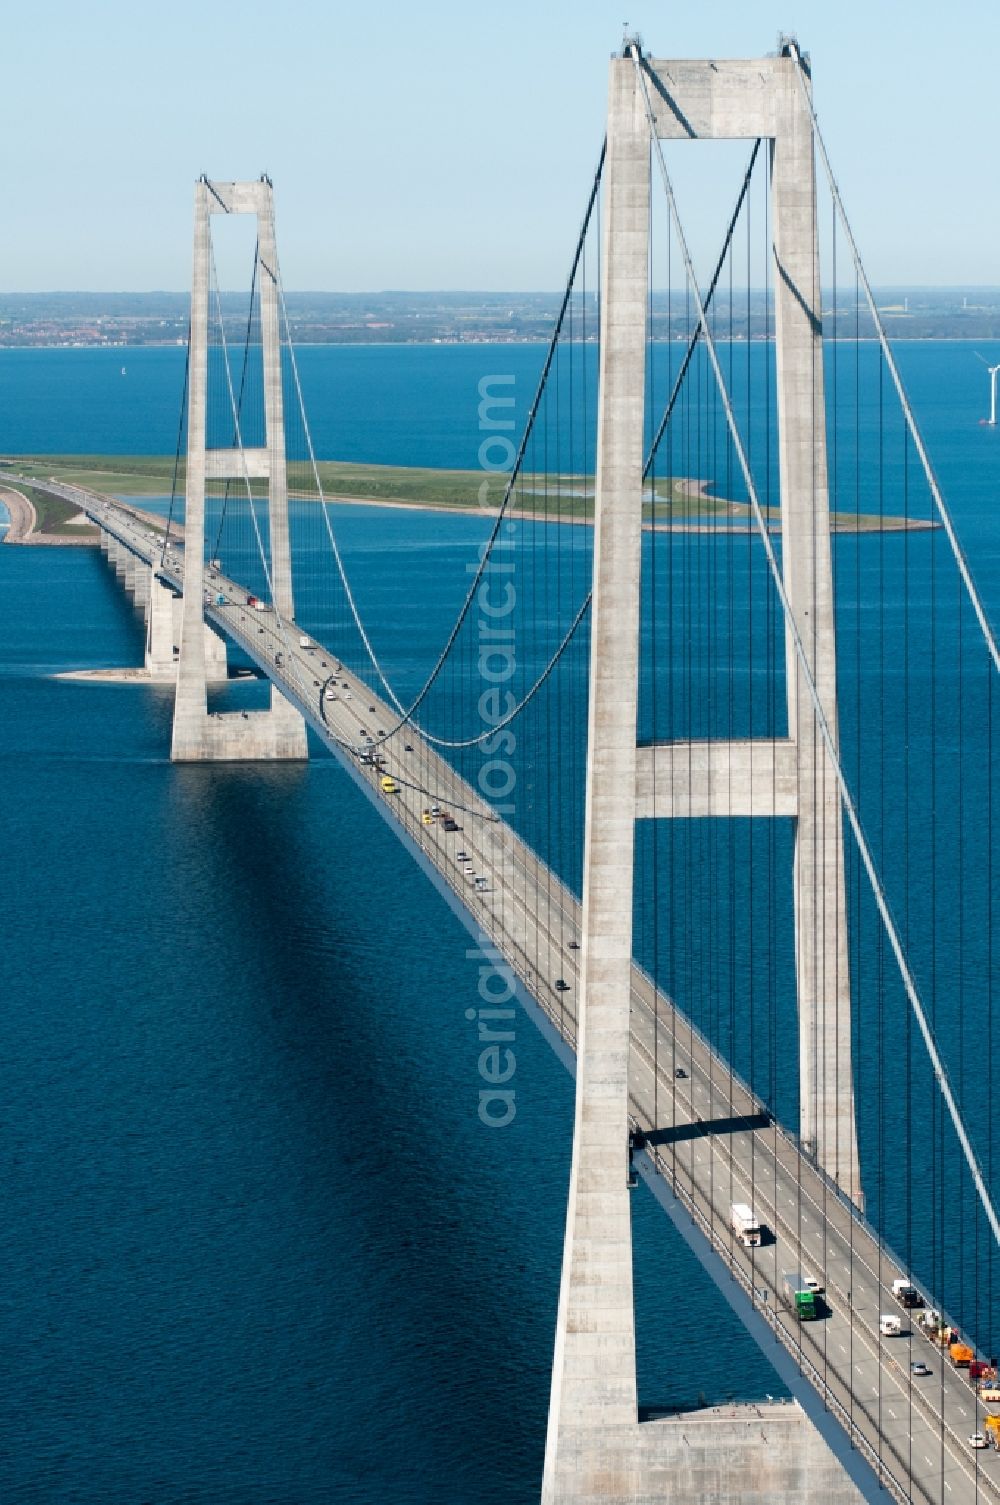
(993, 387)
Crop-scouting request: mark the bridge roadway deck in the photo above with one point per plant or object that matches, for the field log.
(914, 1432)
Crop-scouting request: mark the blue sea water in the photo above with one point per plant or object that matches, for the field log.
(256, 1245)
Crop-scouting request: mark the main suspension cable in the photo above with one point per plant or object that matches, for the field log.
(407, 713)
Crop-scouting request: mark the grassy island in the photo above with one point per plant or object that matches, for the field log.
(677, 502)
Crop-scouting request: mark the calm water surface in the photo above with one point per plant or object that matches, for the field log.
(256, 1245)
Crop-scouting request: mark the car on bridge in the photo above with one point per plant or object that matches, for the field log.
(907, 1295)
(389, 785)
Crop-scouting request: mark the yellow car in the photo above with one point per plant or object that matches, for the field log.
(389, 786)
(427, 818)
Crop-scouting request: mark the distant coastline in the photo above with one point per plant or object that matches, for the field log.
(159, 320)
(895, 335)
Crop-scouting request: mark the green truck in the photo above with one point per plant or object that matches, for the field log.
(800, 1294)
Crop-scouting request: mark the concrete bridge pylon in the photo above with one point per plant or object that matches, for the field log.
(596, 1449)
(279, 732)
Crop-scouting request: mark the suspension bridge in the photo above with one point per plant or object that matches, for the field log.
(761, 938)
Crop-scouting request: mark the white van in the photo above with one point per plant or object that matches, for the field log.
(743, 1221)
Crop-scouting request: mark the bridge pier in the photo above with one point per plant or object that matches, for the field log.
(161, 629)
(163, 622)
(278, 733)
(160, 637)
(115, 553)
(141, 579)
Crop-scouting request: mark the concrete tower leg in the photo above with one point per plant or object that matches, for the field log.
(288, 726)
(191, 703)
(826, 1098)
(279, 732)
(593, 1374)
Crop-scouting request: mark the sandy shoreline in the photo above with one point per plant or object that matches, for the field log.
(733, 517)
(24, 521)
(112, 676)
(139, 676)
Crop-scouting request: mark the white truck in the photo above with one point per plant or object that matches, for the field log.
(744, 1224)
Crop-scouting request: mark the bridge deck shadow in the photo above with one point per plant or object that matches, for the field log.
(704, 1128)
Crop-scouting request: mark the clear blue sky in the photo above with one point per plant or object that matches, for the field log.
(447, 145)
